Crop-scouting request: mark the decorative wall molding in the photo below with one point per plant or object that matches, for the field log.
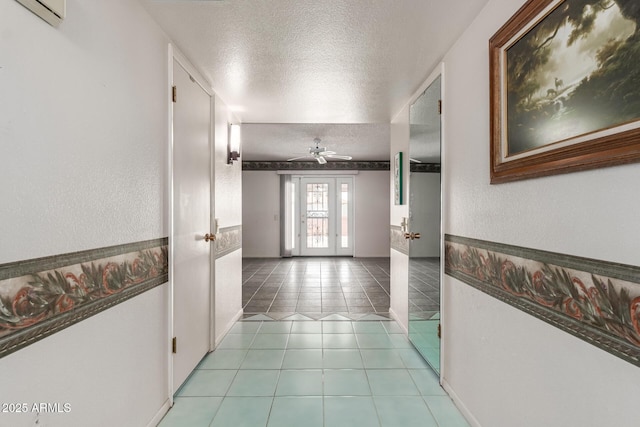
(229, 239)
(596, 301)
(352, 165)
(398, 241)
(42, 296)
(424, 167)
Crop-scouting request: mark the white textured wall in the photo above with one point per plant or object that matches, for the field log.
(83, 149)
(506, 367)
(228, 211)
(399, 262)
(228, 293)
(82, 129)
(111, 368)
(371, 214)
(228, 178)
(261, 214)
(261, 202)
(399, 305)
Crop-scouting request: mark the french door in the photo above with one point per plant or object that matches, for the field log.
(325, 216)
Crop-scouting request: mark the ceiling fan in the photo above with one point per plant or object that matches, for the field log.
(320, 154)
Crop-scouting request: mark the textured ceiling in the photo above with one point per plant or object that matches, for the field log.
(281, 142)
(310, 61)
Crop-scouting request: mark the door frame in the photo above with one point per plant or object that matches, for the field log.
(175, 54)
(440, 71)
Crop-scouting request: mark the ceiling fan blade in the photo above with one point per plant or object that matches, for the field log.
(336, 156)
(326, 152)
(321, 160)
(296, 158)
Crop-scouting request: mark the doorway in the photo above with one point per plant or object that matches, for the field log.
(191, 274)
(322, 216)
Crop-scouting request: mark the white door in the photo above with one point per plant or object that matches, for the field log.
(326, 220)
(191, 221)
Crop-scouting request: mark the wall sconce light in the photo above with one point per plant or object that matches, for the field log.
(233, 144)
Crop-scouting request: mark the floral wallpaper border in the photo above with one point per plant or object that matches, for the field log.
(596, 301)
(398, 241)
(424, 167)
(350, 165)
(42, 296)
(229, 239)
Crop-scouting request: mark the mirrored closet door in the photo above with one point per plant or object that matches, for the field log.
(424, 224)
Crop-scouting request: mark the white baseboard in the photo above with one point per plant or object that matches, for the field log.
(233, 321)
(460, 405)
(160, 414)
(237, 317)
(394, 316)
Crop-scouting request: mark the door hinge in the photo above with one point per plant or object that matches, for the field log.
(174, 345)
(174, 93)
(439, 106)
(439, 331)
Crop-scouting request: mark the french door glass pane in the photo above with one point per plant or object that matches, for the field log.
(317, 215)
(293, 188)
(344, 215)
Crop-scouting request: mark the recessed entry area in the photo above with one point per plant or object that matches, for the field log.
(315, 239)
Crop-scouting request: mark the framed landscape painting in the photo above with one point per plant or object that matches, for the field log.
(565, 88)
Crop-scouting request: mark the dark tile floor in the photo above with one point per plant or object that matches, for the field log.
(315, 285)
(424, 287)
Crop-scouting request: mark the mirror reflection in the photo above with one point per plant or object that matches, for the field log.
(424, 218)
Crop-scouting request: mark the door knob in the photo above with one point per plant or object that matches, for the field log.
(411, 236)
(209, 237)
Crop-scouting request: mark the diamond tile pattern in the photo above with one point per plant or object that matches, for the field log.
(313, 377)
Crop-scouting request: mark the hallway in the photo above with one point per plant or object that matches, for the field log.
(316, 348)
(313, 374)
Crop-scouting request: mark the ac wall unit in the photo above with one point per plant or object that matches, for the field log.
(52, 11)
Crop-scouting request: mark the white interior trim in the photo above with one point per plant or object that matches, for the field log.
(170, 56)
(237, 317)
(395, 317)
(443, 202)
(213, 223)
(161, 412)
(460, 405)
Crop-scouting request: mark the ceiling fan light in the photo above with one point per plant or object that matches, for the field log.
(319, 153)
(337, 156)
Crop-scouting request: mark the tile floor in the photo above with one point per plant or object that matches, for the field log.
(424, 287)
(313, 374)
(315, 286)
(424, 308)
